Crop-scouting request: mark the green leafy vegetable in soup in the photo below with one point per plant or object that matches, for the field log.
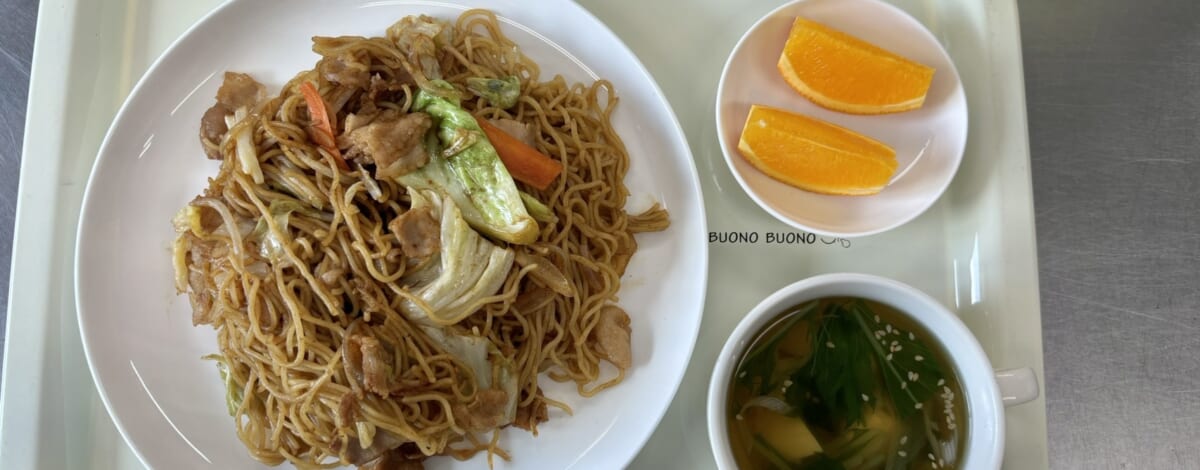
(843, 384)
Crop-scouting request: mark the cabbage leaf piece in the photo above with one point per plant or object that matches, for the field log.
(468, 269)
(470, 171)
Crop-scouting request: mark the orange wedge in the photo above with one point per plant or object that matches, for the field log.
(815, 155)
(843, 73)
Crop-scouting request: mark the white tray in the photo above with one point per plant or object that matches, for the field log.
(974, 250)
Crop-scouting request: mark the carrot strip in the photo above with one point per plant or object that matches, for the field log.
(526, 164)
(321, 130)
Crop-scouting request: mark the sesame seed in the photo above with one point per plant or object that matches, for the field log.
(911, 336)
(941, 382)
(946, 389)
(741, 374)
(865, 397)
(903, 385)
(919, 406)
(931, 457)
(889, 356)
(935, 465)
(876, 318)
(951, 426)
(903, 439)
(888, 328)
(738, 417)
(829, 344)
(919, 358)
(899, 347)
(787, 383)
(902, 454)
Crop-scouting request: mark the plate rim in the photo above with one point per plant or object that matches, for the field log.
(679, 138)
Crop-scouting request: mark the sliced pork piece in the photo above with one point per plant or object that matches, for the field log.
(418, 231)
(612, 336)
(368, 362)
(213, 129)
(392, 142)
(387, 89)
(532, 299)
(237, 91)
(240, 90)
(347, 411)
(546, 273)
(341, 65)
(625, 249)
(200, 286)
(483, 414)
(405, 457)
(377, 367)
(529, 416)
(346, 69)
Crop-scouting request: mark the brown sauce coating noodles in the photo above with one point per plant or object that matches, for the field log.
(293, 320)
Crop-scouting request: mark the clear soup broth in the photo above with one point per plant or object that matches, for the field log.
(844, 383)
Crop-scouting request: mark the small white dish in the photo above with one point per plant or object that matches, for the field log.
(987, 392)
(929, 141)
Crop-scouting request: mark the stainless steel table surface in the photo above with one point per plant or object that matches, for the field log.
(1113, 90)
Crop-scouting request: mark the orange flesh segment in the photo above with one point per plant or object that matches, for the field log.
(815, 155)
(843, 73)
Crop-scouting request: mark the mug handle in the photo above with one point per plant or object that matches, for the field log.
(1017, 386)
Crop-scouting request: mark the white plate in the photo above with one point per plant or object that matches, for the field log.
(929, 141)
(145, 355)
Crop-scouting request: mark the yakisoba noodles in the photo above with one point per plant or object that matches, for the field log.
(381, 292)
